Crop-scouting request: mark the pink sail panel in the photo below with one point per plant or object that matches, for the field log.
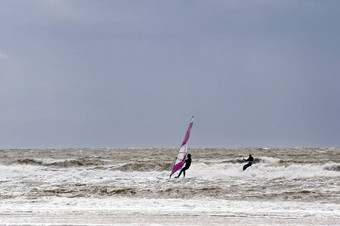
(182, 154)
(186, 138)
(178, 166)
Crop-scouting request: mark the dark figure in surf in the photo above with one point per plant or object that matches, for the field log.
(187, 165)
(250, 162)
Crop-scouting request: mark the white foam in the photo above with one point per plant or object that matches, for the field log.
(332, 166)
(269, 160)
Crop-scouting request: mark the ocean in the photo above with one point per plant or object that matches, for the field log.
(131, 186)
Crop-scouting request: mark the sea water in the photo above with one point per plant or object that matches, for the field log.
(125, 186)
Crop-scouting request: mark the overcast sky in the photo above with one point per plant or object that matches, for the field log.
(85, 73)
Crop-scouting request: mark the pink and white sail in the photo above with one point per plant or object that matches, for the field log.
(183, 151)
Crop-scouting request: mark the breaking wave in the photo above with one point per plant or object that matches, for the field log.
(269, 160)
(144, 166)
(127, 167)
(332, 167)
(62, 163)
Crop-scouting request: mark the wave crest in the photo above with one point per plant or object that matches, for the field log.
(63, 163)
(332, 167)
(144, 166)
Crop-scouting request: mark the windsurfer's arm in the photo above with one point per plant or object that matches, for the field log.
(249, 159)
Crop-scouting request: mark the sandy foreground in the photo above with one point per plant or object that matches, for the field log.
(141, 219)
(142, 211)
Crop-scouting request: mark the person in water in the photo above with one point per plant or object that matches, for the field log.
(250, 162)
(187, 165)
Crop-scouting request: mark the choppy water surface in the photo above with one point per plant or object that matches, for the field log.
(279, 174)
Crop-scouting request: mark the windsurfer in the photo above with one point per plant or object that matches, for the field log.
(187, 165)
(250, 162)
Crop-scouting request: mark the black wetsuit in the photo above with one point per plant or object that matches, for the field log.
(187, 165)
(250, 162)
